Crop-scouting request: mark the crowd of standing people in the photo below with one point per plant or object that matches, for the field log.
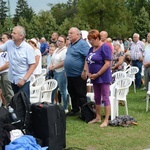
(72, 60)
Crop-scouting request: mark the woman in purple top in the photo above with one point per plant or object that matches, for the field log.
(99, 71)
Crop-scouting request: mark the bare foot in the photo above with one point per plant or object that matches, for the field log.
(104, 124)
(94, 121)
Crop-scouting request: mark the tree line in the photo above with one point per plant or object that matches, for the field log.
(120, 18)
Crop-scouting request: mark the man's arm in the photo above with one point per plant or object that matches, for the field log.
(28, 74)
(5, 66)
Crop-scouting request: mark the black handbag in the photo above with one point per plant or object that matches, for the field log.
(88, 111)
(49, 75)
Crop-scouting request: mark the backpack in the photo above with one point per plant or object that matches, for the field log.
(21, 105)
(88, 111)
(4, 115)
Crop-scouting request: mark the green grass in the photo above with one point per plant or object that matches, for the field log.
(92, 137)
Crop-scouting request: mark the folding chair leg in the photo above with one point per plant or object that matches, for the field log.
(117, 108)
(147, 102)
(126, 107)
(113, 109)
(134, 86)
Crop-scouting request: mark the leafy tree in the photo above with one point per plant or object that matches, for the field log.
(3, 12)
(142, 23)
(35, 28)
(23, 10)
(135, 6)
(111, 16)
(8, 25)
(47, 24)
(75, 22)
(62, 11)
(23, 22)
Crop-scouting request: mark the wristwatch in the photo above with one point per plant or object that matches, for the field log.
(25, 80)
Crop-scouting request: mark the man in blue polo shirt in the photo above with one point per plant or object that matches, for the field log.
(76, 73)
(44, 51)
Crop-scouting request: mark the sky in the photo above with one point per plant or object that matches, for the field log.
(37, 5)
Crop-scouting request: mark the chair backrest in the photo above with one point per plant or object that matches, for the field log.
(46, 90)
(32, 79)
(131, 72)
(38, 81)
(118, 75)
(35, 87)
(122, 88)
(43, 72)
(124, 64)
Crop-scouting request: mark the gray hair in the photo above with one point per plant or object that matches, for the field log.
(76, 30)
(21, 30)
(136, 34)
(116, 43)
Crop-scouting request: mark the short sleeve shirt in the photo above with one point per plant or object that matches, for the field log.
(20, 58)
(59, 56)
(75, 58)
(96, 60)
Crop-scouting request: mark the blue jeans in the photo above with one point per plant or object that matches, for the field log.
(138, 77)
(25, 88)
(60, 77)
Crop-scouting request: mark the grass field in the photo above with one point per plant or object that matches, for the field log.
(91, 137)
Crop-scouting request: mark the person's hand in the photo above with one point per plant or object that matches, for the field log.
(21, 83)
(93, 76)
(51, 67)
(84, 75)
(146, 65)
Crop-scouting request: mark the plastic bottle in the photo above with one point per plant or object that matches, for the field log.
(13, 115)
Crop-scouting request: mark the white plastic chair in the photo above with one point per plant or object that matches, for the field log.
(118, 75)
(147, 97)
(112, 101)
(43, 72)
(35, 89)
(121, 91)
(131, 74)
(90, 94)
(46, 90)
(32, 79)
(111, 97)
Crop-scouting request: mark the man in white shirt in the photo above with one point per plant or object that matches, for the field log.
(136, 53)
(22, 60)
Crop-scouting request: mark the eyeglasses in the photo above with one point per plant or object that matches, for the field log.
(60, 41)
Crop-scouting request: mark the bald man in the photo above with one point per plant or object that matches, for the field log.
(75, 71)
(104, 36)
